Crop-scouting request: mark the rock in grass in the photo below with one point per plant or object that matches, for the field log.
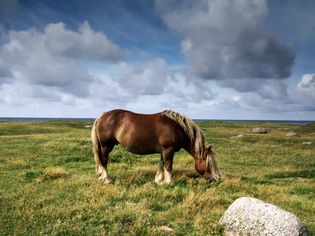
(259, 130)
(292, 134)
(237, 136)
(166, 229)
(250, 216)
(307, 143)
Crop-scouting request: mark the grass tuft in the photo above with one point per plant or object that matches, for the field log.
(55, 173)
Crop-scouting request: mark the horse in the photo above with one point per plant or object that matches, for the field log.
(166, 133)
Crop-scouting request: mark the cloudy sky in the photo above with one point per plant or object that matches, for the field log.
(210, 59)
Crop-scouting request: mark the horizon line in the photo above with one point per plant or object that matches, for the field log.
(198, 119)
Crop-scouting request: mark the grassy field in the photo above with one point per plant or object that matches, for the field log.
(48, 184)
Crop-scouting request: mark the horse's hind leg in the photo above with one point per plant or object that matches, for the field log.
(102, 168)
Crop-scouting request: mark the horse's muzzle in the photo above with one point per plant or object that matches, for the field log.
(209, 178)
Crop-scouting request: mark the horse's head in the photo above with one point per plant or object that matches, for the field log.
(206, 165)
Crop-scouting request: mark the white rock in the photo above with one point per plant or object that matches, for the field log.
(307, 143)
(250, 216)
(260, 130)
(292, 134)
(166, 228)
(237, 136)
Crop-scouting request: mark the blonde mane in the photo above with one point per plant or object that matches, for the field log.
(190, 128)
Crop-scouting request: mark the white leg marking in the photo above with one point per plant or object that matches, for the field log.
(103, 174)
(159, 177)
(168, 177)
(99, 169)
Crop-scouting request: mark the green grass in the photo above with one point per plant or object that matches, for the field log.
(48, 184)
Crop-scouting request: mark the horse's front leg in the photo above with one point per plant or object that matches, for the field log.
(160, 173)
(166, 165)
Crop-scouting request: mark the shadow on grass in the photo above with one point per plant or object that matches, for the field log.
(280, 178)
(181, 178)
(49, 174)
(293, 174)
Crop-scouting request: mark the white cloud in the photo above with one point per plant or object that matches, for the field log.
(84, 45)
(222, 39)
(236, 98)
(276, 97)
(53, 58)
(131, 83)
(147, 79)
(304, 93)
(307, 82)
(49, 68)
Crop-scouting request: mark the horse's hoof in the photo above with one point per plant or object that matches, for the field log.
(99, 171)
(159, 182)
(164, 183)
(159, 177)
(105, 180)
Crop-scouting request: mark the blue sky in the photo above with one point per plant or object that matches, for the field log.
(211, 59)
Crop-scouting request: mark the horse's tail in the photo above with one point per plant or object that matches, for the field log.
(213, 166)
(96, 143)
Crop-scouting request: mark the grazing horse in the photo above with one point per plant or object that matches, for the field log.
(165, 133)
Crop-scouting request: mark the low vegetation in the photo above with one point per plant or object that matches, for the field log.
(48, 184)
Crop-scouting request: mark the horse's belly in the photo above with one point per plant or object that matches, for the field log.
(141, 149)
(138, 144)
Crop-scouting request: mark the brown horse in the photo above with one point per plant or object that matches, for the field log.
(165, 133)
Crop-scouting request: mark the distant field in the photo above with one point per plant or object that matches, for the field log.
(48, 184)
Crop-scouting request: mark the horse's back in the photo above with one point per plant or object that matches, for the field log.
(114, 119)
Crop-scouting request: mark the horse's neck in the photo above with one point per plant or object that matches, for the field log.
(191, 150)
